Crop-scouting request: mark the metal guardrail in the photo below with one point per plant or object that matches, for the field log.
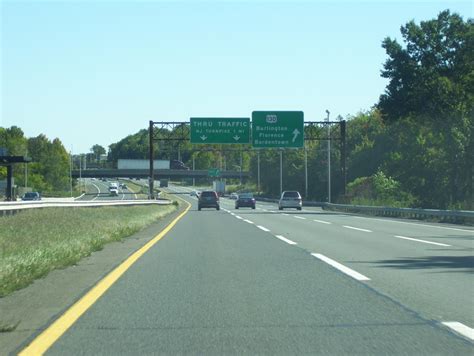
(10, 208)
(454, 216)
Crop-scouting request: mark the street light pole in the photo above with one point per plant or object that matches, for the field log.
(329, 157)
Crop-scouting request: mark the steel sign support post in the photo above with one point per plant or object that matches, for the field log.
(343, 154)
(151, 175)
(258, 172)
(281, 172)
(70, 171)
(194, 166)
(306, 172)
(329, 157)
(240, 167)
(9, 182)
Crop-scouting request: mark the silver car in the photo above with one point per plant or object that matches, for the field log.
(290, 199)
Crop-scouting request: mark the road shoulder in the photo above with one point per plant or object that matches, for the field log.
(30, 310)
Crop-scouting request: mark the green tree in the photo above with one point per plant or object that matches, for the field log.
(97, 151)
(431, 83)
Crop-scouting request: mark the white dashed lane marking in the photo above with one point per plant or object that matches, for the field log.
(356, 228)
(460, 328)
(423, 241)
(322, 222)
(342, 268)
(282, 238)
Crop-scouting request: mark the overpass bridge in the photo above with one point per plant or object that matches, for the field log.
(158, 173)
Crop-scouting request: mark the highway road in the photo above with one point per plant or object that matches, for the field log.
(99, 190)
(291, 282)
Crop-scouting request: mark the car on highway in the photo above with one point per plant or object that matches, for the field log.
(175, 164)
(113, 192)
(245, 200)
(290, 199)
(31, 196)
(208, 199)
(195, 193)
(233, 196)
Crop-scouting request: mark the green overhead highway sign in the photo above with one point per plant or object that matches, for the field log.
(213, 172)
(277, 129)
(220, 130)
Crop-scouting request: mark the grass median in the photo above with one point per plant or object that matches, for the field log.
(36, 241)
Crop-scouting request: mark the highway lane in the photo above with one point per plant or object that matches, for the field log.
(94, 186)
(426, 267)
(217, 284)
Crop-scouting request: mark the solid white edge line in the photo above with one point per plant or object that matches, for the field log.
(300, 217)
(285, 240)
(322, 222)
(239, 217)
(423, 241)
(263, 228)
(460, 328)
(285, 214)
(342, 268)
(248, 221)
(356, 228)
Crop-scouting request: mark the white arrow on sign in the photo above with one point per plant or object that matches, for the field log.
(203, 137)
(295, 134)
(236, 137)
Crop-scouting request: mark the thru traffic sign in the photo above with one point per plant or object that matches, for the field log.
(220, 130)
(273, 129)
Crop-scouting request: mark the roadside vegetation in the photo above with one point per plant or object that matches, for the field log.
(36, 241)
(419, 135)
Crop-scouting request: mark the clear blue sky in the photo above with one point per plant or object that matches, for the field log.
(92, 72)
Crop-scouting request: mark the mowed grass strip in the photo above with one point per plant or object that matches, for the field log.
(36, 241)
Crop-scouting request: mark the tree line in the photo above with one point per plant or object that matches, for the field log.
(413, 148)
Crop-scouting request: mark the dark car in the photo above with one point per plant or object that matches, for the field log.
(208, 199)
(245, 200)
(31, 196)
(175, 164)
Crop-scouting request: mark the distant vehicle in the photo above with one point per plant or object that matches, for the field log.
(145, 164)
(208, 199)
(31, 196)
(219, 187)
(142, 164)
(245, 200)
(113, 191)
(175, 164)
(290, 199)
(163, 183)
(123, 186)
(195, 193)
(233, 196)
(113, 185)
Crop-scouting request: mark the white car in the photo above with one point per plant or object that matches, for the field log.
(234, 196)
(113, 191)
(290, 199)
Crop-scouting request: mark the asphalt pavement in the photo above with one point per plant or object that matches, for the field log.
(291, 282)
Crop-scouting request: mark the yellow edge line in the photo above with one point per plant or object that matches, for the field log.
(48, 337)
